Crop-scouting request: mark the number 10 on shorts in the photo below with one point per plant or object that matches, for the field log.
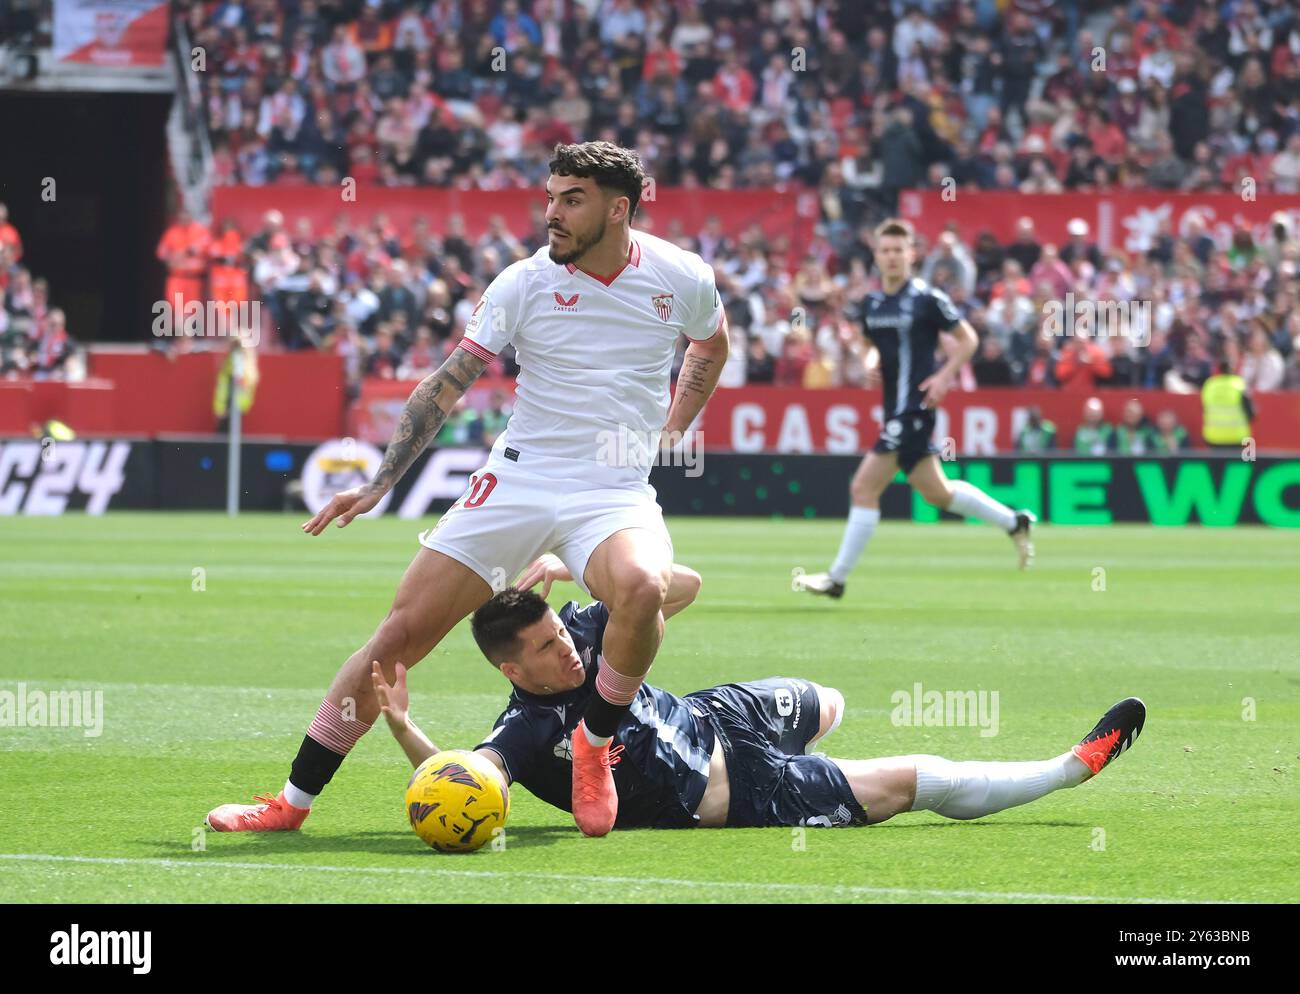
(479, 488)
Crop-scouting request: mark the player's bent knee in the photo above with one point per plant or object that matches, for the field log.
(399, 638)
(640, 591)
(688, 582)
(831, 705)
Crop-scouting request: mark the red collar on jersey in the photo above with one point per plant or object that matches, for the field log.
(633, 259)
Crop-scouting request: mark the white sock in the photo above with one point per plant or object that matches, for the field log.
(298, 798)
(857, 533)
(596, 740)
(972, 502)
(974, 789)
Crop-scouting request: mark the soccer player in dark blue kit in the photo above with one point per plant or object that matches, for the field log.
(733, 756)
(905, 322)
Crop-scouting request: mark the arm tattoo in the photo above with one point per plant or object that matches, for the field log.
(694, 375)
(423, 415)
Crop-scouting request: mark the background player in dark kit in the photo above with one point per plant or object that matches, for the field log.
(906, 322)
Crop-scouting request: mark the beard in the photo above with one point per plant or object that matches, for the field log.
(578, 245)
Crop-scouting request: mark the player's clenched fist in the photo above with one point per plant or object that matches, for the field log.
(345, 506)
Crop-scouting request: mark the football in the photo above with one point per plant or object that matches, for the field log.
(456, 801)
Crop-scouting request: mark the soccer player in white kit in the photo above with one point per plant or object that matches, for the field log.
(594, 318)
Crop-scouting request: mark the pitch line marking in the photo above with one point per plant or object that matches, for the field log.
(585, 878)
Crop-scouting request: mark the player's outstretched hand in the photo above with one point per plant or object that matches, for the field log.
(394, 701)
(545, 571)
(345, 506)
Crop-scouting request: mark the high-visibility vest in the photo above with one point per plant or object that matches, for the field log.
(1225, 421)
(244, 389)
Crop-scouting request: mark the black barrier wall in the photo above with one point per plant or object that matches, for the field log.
(1065, 490)
(95, 476)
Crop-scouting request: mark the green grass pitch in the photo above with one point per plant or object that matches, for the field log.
(207, 692)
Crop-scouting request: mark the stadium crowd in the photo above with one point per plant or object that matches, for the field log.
(34, 339)
(855, 100)
(861, 98)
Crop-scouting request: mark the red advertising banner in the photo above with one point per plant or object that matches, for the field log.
(1129, 221)
(789, 215)
(114, 34)
(981, 422)
(300, 396)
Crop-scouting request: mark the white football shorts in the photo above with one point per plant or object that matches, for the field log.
(515, 510)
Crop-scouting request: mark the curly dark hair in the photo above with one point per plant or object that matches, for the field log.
(497, 624)
(613, 167)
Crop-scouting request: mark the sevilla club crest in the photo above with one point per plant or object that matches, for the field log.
(663, 304)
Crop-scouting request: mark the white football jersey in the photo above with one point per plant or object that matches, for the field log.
(595, 354)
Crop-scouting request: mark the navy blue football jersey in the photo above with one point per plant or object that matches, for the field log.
(664, 768)
(905, 327)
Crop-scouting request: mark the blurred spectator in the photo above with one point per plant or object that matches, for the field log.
(1038, 434)
(463, 426)
(384, 359)
(1262, 367)
(1192, 369)
(11, 245)
(183, 247)
(951, 262)
(1094, 436)
(990, 366)
(1170, 436)
(1081, 365)
(1227, 410)
(1134, 435)
(796, 354)
(244, 386)
(1078, 248)
(495, 416)
(1025, 249)
(421, 359)
(760, 368)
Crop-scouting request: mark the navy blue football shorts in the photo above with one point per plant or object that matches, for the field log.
(909, 437)
(764, 727)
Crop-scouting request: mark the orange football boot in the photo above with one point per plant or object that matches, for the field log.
(1118, 729)
(271, 814)
(595, 801)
